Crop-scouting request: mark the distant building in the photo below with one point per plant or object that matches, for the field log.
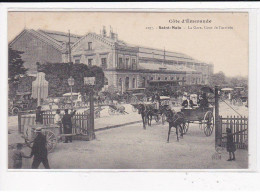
(42, 46)
(125, 66)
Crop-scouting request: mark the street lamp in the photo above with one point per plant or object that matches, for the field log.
(71, 83)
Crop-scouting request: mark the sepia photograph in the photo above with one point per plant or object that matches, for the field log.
(128, 90)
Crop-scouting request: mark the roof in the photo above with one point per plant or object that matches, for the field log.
(162, 67)
(53, 38)
(61, 36)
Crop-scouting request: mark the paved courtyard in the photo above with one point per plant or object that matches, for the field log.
(132, 147)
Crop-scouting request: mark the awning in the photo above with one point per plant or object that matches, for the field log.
(165, 68)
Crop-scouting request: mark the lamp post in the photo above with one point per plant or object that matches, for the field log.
(90, 82)
(71, 83)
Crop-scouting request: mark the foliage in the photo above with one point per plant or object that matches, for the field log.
(218, 79)
(57, 74)
(15, 65)
(16, 70)
(223, 81)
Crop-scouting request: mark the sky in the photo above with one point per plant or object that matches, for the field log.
(222, 42)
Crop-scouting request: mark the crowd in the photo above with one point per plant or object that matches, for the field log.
(39, 150)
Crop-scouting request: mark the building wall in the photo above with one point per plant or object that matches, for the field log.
(35, 51)
(82, 54)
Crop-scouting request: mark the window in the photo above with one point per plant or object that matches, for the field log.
(120, 63)
(127, 63)
(104, 63)
(178, 78)
(127, 83)
(151, 78)
(159, 78)
(90, 62)
(77, 61)
(166, 78)
(89, 45)
(172, 78)
(133, 84)
(143, 82)
(134, 64)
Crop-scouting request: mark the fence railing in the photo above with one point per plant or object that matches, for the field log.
(239, 128)
(79, 121)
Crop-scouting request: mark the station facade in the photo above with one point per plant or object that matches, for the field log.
(125, 66)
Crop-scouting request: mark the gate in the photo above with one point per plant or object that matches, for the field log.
(79, 121)
(239, 128)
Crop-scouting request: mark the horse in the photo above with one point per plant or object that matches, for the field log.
(155, 113)
(143, 111)
(175, 120)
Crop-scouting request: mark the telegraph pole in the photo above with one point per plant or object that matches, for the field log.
(69, 49)
(217, 127)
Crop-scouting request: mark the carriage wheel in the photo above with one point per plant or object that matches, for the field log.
(134, 109)
(51, 140)
(111, 111)
(15, 111)
(134, 100)
(208, 123)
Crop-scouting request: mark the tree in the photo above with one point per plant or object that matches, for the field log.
(218, 79)
(15, 65)
(16, 70)
(57, 74)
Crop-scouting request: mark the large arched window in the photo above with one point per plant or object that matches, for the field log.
(127, 83)
(120, 88)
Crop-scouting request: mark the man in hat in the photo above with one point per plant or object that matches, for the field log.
(67, 124)
(204, 103)
(39, 115)
(187, 102)
(39, 150)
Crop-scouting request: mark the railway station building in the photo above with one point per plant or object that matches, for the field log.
(125, 66)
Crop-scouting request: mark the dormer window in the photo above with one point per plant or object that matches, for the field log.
(89, 45)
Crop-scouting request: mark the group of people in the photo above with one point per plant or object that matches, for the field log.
(39, 150)
(202, 101)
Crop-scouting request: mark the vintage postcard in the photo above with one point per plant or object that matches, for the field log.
(128, 90)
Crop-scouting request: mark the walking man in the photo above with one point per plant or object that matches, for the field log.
(39, 151)
(67, 125)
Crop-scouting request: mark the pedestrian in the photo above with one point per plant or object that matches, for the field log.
(67, 125)
(39, 115)
(57, 121)
(18, 156)
(231, 147)
(39, 150)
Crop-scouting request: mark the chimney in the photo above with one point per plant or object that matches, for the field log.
(104, 32)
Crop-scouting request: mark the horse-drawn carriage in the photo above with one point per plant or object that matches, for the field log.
(137, 95)
(202, 116)
(116, 109)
